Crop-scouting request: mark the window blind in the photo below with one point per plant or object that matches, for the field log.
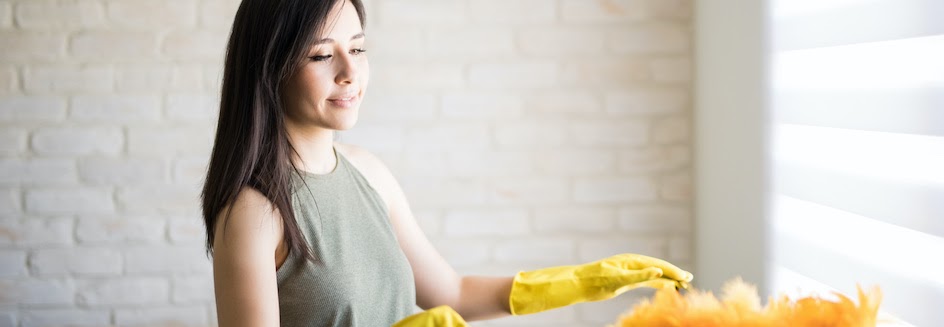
(857, 153)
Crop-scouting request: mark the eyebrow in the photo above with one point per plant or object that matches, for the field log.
(329, 40)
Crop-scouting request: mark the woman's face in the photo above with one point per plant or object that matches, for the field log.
(327, 90)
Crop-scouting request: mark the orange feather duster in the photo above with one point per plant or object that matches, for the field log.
(740, 306)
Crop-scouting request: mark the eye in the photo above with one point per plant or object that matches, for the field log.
(358, 51)
(320, 58)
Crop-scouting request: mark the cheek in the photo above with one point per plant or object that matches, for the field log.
(316, 83)
(365, 73)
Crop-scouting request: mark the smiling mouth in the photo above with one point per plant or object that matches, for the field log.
(344, 102)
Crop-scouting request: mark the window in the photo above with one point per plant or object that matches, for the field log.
(858, 150)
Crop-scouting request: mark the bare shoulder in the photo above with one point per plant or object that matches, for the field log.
(373, 169)
(367, 163)
(250, 218)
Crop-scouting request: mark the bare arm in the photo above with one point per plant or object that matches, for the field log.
(244, 264)
(437, 283)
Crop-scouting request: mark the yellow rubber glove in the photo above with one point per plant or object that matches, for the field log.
(441, 316)
(550, 288)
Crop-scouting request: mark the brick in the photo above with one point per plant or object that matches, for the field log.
(562, 42)
(192, 289)
(37, 292)
(12, 142)
(606, 73)
(680, 249)
(677, 187)
(22, 109)
(545, 190)
(513, 12)
(123, 291)
(477, 105)
(189, 316)
(564, 103)
(565, 316)
(171, 198)
(672, 130)
(499, 164)
(9, 80)
(649, 159)
(601, 12)
(60, 79)
(430, 222)
(647, 101)
(69, 201)
(10, 201)
(655, 219)
(466, 136)
(461, 253)
(196, 108)
(12, 263)
(170, 140)
(116, 108)
(187, 230)
(71, 141)
(166, 259)
(37, 171)
(218, 13)
(492, 222)
(425, 165)
(605, 313)
(600, 248)
(671, 70)
(423, 12)
(152, 14)
(76, 261)
(113, 46)
(463, 43)
(120, 230)
(569, 220)
(532, 134)
(523, 75)
(407, 75)
(575, 162)
(539, 252)
(8, 318)
(611, 133)
(117, 171)
(375, 137)
(59, 15)
(615, 190)
(190, 169)
(408, 42)
(31, 46)
(651, 39)
(670, 9)
(158, 77)
(398, 107)
(195, 45)
(425, 193)
(212, 77)
(66, 317)
(6, 21)
(36, 232)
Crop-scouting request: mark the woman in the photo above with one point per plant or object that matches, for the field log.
(308, 232)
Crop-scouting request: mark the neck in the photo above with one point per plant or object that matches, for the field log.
(315, 147)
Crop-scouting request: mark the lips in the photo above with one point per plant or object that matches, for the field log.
(344, 101)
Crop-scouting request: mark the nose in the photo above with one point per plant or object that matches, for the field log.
(347, 69)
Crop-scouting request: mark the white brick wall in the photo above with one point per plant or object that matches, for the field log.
(526, 133)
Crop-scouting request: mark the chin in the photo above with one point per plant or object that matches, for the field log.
(344, 123)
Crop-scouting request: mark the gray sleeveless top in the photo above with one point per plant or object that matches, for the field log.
(362, 277)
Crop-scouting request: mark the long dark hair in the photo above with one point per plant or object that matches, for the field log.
(269, 42)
